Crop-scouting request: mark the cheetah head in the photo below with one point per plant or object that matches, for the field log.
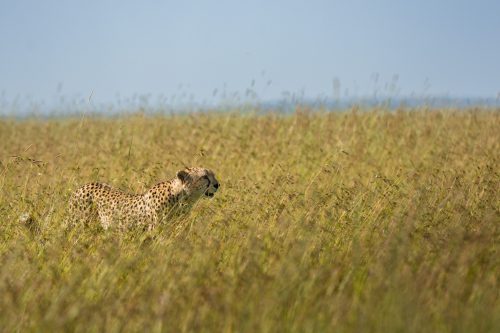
(198, 182)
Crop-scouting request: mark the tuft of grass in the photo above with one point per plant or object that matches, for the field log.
(348, 222)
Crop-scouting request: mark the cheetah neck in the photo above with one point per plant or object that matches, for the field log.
(166, 195)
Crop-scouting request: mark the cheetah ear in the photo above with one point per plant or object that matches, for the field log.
(183, 176)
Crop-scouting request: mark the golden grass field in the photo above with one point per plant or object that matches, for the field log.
(355, 221)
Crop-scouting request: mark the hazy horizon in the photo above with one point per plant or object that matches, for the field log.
(199, 52)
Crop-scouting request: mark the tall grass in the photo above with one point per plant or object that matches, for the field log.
(346, 222)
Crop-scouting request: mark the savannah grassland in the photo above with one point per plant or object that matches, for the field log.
(325, 222)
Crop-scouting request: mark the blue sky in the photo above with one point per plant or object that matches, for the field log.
(199, 49)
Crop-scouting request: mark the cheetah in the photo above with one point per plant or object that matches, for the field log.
(115, 207)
